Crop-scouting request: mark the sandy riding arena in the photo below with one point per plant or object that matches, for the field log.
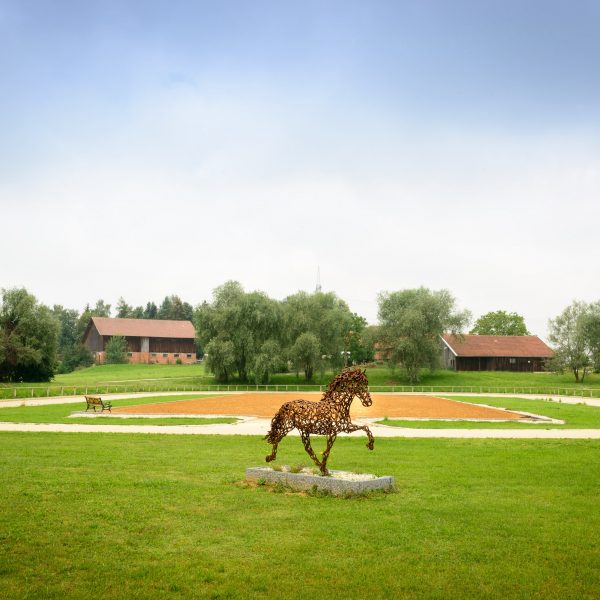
(265, 405)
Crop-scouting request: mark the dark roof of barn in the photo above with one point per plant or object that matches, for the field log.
(152, 328)
(498, 345)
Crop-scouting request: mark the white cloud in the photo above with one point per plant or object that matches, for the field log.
(195, 188)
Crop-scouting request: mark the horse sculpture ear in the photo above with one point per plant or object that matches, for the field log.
(365, 371)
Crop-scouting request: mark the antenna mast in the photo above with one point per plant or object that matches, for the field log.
(318, 288)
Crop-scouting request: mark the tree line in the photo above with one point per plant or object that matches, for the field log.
(249, 336)
(36, 341)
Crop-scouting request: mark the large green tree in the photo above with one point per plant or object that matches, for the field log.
(569, 333)
(220, 359)
(175, 309)
(267, 361)
(28, 338)
(326, 317)
(71, 352)
(358, 341)
(592, 332)
(500, 322)
(305, 353)
(411, 323)
(246, 319)
(126, 311)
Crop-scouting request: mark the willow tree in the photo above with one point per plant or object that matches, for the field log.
(411, 323)
(324, 316)
(28, 338)
(246, 319)
(500, 322)
(569, 333)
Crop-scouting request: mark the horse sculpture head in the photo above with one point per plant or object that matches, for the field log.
(350, 383)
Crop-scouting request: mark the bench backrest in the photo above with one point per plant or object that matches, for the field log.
(93, 400)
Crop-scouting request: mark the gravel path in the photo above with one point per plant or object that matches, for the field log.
(259, 426)
(254, 426)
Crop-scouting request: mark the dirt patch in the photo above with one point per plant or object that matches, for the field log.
(262, 404)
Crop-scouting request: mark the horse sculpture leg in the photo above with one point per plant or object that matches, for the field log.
(352, 427)
(330, 441)
(308, 448)
(280, 427)
(273, 454)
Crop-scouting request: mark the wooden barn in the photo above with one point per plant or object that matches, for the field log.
(148, 340)
(494, 352)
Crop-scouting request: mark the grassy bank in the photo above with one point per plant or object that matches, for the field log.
(59, 413)
(115, 516)
(131, 378)
(575, 416)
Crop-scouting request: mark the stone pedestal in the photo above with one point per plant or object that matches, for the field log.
(340, 483)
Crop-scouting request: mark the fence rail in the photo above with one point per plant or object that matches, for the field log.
(7, 393)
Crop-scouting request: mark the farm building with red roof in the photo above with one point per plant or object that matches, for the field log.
(494, 352)
(148, 340)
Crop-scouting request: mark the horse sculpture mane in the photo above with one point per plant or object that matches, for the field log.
(329, 416)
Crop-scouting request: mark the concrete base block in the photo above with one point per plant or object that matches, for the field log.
(340, 483)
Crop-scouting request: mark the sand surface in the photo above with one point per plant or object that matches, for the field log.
(266, 404)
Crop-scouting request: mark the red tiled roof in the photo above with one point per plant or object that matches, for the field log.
(154, 328)
(498, 345)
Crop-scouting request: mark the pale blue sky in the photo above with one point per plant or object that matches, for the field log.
(164, 147)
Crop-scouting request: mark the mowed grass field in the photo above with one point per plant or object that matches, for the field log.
(169, 375)
(60, 413)
(150, 516)
(575, 416)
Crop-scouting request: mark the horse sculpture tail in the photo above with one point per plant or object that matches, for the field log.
(277, 425)
(280, 425)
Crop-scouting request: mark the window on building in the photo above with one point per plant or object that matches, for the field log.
(130, 354)
(512, 361)
(153, 354)
(176, 355)
(165, 355)
(189, 355)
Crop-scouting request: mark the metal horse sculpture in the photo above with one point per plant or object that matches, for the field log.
(329, 416)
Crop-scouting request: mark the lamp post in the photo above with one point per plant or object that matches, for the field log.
(345, 354)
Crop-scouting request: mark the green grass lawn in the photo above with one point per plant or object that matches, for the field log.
(107, 378)
(383, 376)
(124, 373)
(59, 413)
(576, 416)
(149, 516)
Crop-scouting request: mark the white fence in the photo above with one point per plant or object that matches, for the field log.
(7, 393)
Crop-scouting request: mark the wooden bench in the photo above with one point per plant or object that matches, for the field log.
(96, 401)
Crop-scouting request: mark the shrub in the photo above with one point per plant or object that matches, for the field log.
(116, 350)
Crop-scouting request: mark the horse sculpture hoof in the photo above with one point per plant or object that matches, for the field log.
(370, 445)
(269, 458)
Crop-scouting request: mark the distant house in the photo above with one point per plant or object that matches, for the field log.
(148, 340)
(494, 352)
